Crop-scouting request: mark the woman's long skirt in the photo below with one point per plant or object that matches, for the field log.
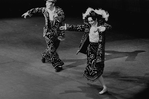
(95, 61)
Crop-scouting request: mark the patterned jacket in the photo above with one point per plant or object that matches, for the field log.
(85, 38)
(51, 29)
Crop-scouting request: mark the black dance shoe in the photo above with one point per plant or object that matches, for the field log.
(58, 68)
(43, 60)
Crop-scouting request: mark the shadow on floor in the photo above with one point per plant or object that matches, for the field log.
(117, 54)
(111, 55)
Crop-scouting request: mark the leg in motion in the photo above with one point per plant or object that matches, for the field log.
(101, 80)
(52, 56)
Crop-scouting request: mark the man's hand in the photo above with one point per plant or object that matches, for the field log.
(63, 27)
(25, 15)
(61, 38)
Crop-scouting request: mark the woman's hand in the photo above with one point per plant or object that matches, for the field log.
(101, 28)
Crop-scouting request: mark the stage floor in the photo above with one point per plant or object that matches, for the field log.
(24, 76)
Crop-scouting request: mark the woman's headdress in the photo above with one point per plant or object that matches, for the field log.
(101, 12)
(51, 0)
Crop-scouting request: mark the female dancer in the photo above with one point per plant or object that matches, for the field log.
(93, 43)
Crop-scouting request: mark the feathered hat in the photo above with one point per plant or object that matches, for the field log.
(51, 0)
(101, 12)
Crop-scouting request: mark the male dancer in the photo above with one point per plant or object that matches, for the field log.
(54, 16)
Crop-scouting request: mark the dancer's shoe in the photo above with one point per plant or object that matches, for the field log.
(104, 90)
(43, 60)
(58, 68)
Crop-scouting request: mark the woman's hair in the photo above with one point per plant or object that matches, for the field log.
(95, 17)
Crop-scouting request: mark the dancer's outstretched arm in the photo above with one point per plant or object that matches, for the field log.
(33, 11)
(70, 27)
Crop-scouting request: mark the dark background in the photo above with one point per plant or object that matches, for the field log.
(125, 15)
(11, 8)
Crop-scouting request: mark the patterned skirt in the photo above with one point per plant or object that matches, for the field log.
(95, 61)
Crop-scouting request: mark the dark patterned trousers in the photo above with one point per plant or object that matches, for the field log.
(50, 53)
(95, 61)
